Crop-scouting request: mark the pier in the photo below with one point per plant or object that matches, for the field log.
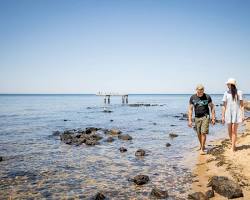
(108, 95)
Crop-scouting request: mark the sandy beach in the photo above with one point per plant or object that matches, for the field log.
(221, 161)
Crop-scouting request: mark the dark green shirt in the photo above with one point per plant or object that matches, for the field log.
(200, 104)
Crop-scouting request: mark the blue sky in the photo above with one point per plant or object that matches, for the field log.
(137, 46)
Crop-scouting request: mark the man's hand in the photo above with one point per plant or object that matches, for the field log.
(213, 121)
(190, 124)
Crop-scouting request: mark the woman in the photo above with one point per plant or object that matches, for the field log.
(233, 110)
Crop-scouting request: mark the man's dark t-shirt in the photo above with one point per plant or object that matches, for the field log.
(200, 104)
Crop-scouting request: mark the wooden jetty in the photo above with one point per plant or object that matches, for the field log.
(108, 95)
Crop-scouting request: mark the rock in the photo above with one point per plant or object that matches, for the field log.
(155, 123)
(159, 194)
(216, 151)
(66, 137)
(110, 139)
(168, 144)
(140, 152)
(80, 141)
(91, 142)
(25, 174)
(122, 149)
(96, 136)
(184, 115)
(89, 130)
(247, 105)
(140, 179)
(99, 196)
(225, 187)
(107, 111)
(56, 133)
(172, 125)
(209, 194)
(173, 135)
(1, 158)
(65, 120)
(138, 104)
(111, 120)
(197, 196)
(125, 137)
(115, 132)
(183, 119)
(77, 137)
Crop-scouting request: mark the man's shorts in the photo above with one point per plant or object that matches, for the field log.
(202, 124)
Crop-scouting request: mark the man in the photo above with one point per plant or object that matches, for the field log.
(200, 103)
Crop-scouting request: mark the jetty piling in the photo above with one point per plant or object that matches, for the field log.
(107, 97)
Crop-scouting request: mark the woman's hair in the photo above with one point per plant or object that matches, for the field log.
(234, 92)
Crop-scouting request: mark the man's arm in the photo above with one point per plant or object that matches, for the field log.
(212, 108)
(223, 112)
(190, 113)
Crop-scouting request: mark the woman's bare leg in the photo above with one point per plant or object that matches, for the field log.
(229, 127)
(234, 135)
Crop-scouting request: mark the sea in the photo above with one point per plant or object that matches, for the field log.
(38, 165)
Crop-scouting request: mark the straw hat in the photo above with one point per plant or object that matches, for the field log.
(231, 81)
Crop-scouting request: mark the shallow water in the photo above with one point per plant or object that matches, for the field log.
(38, 165)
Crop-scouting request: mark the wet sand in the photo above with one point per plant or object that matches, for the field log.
(224, 162)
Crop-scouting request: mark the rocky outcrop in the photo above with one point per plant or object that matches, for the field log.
(197, 196)
(122, 149)
(168, 144)
(225, 187)
(140, 152)
(113, 132)
(91, 142)
(159, 194)
(98, 196)
(90, 136)
(110, 139)
(78, 137)
(143, 104)
(107, 111)
(140, 179)
(209, 194)
(173, 135)
(91, 130)
(247, 105)
(125, 137)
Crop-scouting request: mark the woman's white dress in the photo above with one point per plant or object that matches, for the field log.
(233, 113)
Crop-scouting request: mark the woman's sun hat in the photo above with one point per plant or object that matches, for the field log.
(231, 81)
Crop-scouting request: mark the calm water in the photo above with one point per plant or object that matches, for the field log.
(38, 165)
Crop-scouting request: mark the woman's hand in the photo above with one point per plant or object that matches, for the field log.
(223, 120)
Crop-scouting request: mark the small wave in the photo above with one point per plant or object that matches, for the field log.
(12, 115)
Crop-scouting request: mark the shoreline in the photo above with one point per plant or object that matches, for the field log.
(221, 161)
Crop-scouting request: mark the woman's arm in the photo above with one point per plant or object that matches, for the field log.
(242, 109)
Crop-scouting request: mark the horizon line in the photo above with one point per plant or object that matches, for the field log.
(95, 94)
